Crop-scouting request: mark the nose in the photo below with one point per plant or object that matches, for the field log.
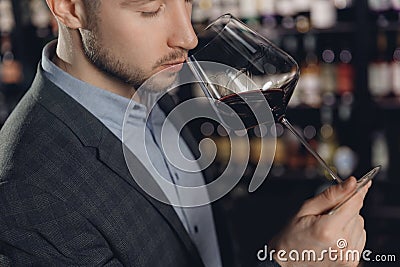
(182, 34)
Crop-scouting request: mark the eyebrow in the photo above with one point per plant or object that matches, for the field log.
(135, 2)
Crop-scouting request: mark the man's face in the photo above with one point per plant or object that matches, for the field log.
(131, 40)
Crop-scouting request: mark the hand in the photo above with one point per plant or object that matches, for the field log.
(313, 229)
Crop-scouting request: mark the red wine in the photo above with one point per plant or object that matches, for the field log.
(241, 103)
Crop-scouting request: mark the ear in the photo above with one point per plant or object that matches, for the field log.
(71, 13)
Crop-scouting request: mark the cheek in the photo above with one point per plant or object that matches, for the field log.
(137, 47)
(132, 41)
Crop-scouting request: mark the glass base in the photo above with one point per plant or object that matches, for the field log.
(363, 181)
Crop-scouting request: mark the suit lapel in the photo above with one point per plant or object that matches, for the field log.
(111, 154)
(167, 104)
(93, 133)
(218, 209)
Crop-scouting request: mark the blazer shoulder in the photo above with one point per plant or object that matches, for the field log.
(34, 138)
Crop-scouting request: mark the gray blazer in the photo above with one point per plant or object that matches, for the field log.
(67, 197)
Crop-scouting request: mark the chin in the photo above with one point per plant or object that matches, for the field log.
(162, 81)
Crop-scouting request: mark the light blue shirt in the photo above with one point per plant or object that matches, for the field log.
(110, 109)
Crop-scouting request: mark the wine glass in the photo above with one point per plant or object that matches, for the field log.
(262, 73)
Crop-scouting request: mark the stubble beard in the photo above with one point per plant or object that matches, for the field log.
(103, 59)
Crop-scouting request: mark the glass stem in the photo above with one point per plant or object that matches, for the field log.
(201, 77)
(335, 177)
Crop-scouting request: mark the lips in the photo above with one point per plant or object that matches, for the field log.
(173, 66)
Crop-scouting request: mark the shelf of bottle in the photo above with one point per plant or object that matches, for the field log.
(315, 174)
(339, 28)
(303, 107)
(380, 187)
(388, 103)
(314, 109)
(392, 26)
(298, 175)
(387, 212)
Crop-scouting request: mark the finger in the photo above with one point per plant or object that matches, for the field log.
(354, 229)
(368, 185)
(352, 258)
(351, 207)
(361, 188)
(360, 245)
(328, 199)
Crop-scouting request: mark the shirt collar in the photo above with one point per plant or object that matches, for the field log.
(108, 107)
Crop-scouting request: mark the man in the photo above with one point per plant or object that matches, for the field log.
(67, 197)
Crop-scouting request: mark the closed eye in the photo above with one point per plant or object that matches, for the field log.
(153, 14)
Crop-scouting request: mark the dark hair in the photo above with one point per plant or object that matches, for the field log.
(92, 5)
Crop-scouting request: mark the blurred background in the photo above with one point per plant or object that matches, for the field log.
(347, 104)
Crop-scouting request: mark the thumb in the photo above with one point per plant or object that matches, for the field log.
(329, 198)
